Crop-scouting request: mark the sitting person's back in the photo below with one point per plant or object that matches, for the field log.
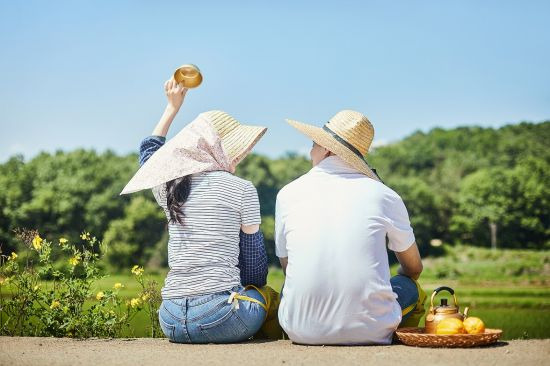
(216, 253)
(337, 287)
(331, 227)
(203, 251)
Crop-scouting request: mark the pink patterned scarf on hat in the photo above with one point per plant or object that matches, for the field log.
(196, 148)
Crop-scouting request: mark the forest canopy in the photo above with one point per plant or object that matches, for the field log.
(459, 186)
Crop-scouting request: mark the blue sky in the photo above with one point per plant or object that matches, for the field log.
(90, 73)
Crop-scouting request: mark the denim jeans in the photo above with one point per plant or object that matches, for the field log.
(210, 318)
(407, 295)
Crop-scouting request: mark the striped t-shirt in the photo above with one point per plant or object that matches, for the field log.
(203, 253)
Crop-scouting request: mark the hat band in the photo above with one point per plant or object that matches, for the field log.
(343, 142)
(351, 147)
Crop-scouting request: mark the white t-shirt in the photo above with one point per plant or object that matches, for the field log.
(332, 224)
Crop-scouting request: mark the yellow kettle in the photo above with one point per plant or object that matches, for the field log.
(443, 311)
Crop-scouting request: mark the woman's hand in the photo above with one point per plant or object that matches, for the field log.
(175, 93)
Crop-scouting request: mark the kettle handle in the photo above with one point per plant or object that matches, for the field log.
(439, 289)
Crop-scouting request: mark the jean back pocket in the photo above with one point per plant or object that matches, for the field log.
(227, 329)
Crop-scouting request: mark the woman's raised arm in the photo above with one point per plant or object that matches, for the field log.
(175, 93)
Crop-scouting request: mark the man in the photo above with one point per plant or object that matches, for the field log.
(330, 233)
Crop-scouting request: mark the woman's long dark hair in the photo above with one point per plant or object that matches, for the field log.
(177, 192)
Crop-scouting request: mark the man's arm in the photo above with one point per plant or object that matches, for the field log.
(280, 235)
(284, 263)
(411, 263)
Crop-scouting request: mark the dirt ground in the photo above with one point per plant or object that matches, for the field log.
(15, 351)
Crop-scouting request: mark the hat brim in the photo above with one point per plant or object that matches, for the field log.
(239, 142)
(198, 147)
(323, 138)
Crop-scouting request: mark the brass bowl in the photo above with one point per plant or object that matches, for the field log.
(189, 75)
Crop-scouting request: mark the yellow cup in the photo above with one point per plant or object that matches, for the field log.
(189, 75)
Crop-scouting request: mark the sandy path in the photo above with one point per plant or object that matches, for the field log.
(15, 351)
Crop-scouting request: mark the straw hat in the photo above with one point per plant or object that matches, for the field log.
(213, 141)
(237, 139)
(348, 134)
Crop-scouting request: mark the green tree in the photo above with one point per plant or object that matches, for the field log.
(454, 183)
(483, 204)
(513, 201)
(131, 237)
(424, 213)
(16, 185)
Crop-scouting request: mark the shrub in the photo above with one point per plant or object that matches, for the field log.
(61, 307)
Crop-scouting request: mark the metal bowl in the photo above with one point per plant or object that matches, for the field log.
(189, 75)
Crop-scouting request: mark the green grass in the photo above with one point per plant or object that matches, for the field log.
(472, 265)
(523, 312)
(131, 286)
(507, 289)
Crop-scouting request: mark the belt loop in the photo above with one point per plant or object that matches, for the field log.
(233, 299)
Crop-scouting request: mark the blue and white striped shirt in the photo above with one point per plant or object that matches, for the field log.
(209, 253)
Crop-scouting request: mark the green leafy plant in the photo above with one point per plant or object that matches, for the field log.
(67, 305)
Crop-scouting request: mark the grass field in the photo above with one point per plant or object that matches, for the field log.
(521, 311)
(506, 289)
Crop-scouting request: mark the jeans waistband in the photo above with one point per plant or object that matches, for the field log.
(203, 299)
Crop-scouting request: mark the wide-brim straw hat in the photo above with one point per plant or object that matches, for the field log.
(348, 135)
(213, 141)
(237, 139)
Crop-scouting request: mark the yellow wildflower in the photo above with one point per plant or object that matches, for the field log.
(135, 302)
(13, 256)
(85, 236)
(100, 295)
(37, 242)
(137, 270)
(74, 260)
(145, 297)
(62, 241)
(35, 287)
(118, 285)
(55, 304)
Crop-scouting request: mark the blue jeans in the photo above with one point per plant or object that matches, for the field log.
(407, 293)
(210, 318)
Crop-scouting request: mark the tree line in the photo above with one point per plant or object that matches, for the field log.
(472, 185)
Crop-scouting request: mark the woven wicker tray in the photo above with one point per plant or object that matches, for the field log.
(417, 337)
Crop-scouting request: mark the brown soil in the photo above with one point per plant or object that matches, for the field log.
(15, 351)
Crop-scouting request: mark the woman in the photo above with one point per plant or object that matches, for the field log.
(215, 244)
